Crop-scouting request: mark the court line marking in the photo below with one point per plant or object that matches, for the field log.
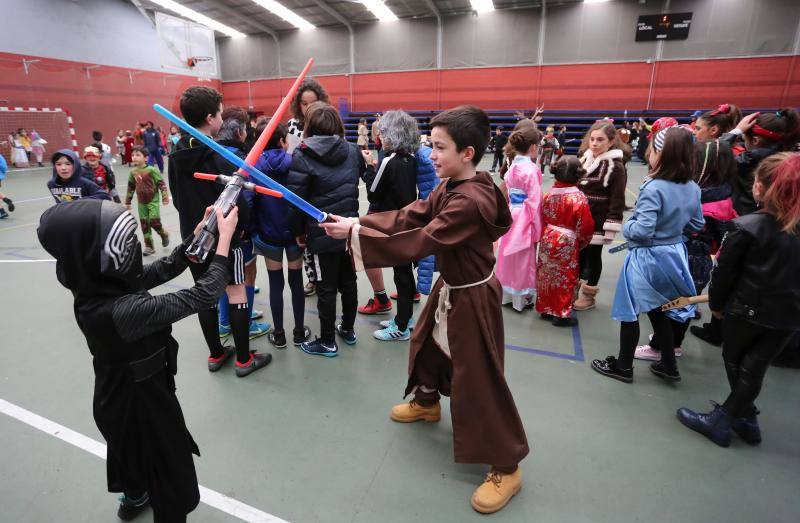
(3, 229)
(27, 261)
(33, 199)
(210, 497)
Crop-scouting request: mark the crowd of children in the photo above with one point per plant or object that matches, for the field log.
(720, 194)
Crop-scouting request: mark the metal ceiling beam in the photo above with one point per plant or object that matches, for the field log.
(141, 9)
(344, 21)
(439, 30)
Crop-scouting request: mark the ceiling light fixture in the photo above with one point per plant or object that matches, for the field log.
(594, 1)
(202, 19)
(287, 14)
(379, 9)
(482, 6)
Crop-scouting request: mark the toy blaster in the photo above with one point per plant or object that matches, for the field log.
(683, 301)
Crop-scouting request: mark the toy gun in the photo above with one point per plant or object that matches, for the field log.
(683, 301)
(204, 242)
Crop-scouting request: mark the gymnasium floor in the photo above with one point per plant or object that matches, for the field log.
(309, 439)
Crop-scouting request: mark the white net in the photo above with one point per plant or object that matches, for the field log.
(181, 40)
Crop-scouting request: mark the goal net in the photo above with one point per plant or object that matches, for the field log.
(50, 124)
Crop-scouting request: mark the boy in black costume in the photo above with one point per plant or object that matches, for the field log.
(99, 258)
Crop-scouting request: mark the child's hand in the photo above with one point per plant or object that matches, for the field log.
(337, 227)
(747, 122)
(227, 225)
(206, 214)
(301, 241)
(368, 157)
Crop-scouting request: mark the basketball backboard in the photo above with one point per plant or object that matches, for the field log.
(182, 43)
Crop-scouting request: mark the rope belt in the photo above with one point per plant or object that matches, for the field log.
(442, 310)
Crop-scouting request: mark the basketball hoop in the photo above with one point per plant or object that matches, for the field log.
(194, 60)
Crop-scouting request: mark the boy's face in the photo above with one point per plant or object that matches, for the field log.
(138, 158)
(64, 168)
(498, 131)
(92, 160)
(214, 122)
(446, 158)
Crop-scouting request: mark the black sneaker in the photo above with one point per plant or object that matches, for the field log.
(707, 334)
(10, 204)
(608, 367)
(165, 240)
(545, 316)
(130, 508)
(257, 361)
(349, 337)
(300, 335)
(565, 322)
(277, 339)
(660, 370)
(3, 213)
(320, 348)
(214, 364)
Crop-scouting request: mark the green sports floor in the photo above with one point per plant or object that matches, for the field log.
(309, 439)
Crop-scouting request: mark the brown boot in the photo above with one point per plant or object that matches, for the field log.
(496, 491)
(585, 300)
(413, 411)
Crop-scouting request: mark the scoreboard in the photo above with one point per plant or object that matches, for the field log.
(672, 26)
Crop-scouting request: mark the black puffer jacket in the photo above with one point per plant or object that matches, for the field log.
(757, 277)
(325, 171)
(746, 163)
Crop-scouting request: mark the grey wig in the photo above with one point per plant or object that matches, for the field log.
(399, 132)
(230, 129)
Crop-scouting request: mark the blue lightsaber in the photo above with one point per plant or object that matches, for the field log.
(241, 164)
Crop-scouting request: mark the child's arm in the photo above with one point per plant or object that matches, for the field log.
(642, 225)
(131, 189)
(160, 185)
(416, 214)
(616, 201)
(584, 225)
(451, 228)
(729, 261)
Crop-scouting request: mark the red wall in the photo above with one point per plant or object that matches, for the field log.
(686, 84)
(107, 101)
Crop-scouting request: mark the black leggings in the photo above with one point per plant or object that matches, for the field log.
(664, 330)
(404, 282)
(747, 350)
(591, 263)
(678, 333)
(335, 273)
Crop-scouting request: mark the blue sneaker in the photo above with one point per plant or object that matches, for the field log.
(224, 330)
(258, 329)
(392, 333)
(349, 337)
(256, 314)
(411, 323)
(320, 348)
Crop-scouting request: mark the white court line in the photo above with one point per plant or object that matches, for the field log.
(27, 261)
(210, 497)
(33, 200)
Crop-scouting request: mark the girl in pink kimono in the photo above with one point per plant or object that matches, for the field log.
(516, 255)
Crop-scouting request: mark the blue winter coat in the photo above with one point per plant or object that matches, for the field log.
(272, 214)
(426, 183)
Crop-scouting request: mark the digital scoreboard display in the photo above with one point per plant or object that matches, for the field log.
(672, 26)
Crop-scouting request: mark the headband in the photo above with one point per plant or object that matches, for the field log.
(766, 133)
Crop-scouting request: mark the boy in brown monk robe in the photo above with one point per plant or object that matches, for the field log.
(457, 346)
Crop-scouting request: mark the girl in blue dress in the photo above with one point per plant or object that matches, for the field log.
(656, 269)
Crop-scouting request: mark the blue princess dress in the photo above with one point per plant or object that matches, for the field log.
(656, 268)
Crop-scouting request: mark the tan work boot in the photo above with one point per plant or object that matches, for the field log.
(496, 491)
(413, 411)
(585, 300)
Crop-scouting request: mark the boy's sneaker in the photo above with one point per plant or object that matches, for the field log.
(277, 339)
(165, 240)
(374, 306)
(256, 361)
(392, 333)
(130, 508)
(255, 315)
(214, 364)
(608, 367)
(258, 329)
(417, 296)
(349, 337)
(148, 251)
(224, 330)
(320, 348)
(3, 213)
(10, 204)
(301, 335)
(660, 370)
(256, 289)
(411, 323)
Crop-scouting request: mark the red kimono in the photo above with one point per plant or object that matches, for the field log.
(567, 228)
(462, 322)
(126, 156)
